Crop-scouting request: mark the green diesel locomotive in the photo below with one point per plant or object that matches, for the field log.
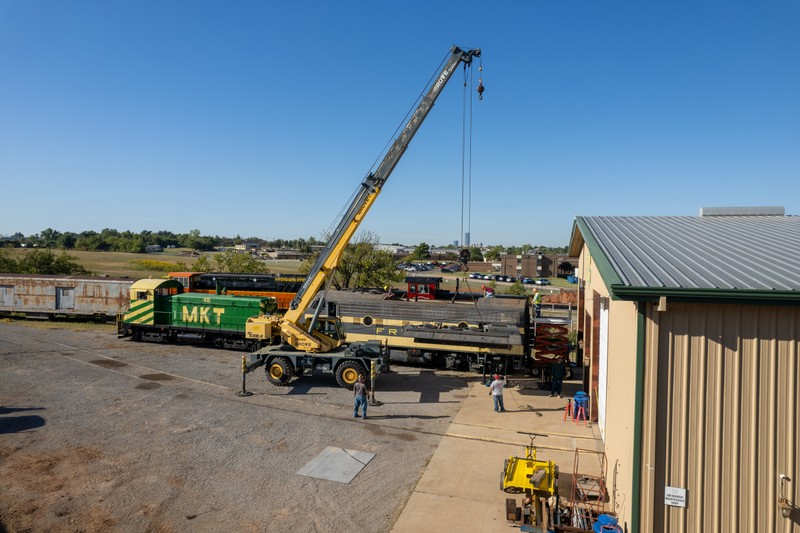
(160, 311)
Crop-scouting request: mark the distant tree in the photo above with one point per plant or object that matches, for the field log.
(191, 239)
(202, 265)
(91, 241)
(66, 240)
(8, 263)
(46, 262)
(475, 254)
(230, 261)
(362, 265)
(517, 288)
(49, 237)
(421, 251)
(493, 253)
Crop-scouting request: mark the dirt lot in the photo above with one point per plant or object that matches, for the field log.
(101, 434)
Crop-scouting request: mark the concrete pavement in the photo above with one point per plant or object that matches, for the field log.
(460, 488)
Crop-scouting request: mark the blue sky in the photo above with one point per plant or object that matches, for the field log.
(261, 118)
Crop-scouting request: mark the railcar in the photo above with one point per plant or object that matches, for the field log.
(52, 296)
(282, 287)
(425, 324)
(161, 312)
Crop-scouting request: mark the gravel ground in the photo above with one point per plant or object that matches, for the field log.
(103, 434)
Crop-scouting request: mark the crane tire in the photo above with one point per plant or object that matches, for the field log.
(347, 373)
(280, 371)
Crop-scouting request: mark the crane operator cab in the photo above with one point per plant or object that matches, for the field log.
(331, 327)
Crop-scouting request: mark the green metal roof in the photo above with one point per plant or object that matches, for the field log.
(748, 258)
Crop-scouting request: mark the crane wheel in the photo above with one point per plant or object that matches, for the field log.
(347, 373)
(280, 371)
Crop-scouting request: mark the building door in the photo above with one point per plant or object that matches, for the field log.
(602, 375)
(6, 296)
(65, 298)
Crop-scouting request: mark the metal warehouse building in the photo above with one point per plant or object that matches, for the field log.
(690, 332)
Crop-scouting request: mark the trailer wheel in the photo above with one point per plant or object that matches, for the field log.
(536, 372)
(568, 373)
(280, 371)
(347, 373)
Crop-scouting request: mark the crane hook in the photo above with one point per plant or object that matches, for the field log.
(480, 89)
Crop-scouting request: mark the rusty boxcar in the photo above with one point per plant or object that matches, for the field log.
(46, 296)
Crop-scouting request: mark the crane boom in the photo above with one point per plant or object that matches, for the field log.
(370, 188)
(300, 345)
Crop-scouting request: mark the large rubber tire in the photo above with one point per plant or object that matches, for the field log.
(280, 371)
(503, 474)
(348, 372)
(568, 373)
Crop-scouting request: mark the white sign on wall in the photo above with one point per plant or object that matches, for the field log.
(675, 496)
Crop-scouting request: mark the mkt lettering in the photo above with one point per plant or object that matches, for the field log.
(200, 315)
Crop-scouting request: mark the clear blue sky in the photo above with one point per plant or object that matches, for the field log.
(261, 118)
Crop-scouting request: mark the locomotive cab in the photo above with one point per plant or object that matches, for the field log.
(150, 301)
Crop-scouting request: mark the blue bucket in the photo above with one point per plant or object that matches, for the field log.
(581, 399)
(606, 524)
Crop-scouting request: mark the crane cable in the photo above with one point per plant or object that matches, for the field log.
(466, 162)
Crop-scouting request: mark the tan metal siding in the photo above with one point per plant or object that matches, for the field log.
(720, 416)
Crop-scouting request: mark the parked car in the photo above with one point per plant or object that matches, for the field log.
(527, 281)
(475, 275)
(543, 282)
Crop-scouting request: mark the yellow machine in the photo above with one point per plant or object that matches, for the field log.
(529, 475)
(303, 345)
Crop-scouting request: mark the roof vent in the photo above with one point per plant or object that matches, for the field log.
(742, 211)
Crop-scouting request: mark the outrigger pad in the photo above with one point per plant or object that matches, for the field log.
(336, 464)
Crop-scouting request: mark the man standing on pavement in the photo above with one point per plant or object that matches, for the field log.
(360, 395)
(557, 372)
(496, 391)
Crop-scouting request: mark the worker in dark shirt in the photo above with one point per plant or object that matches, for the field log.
(557, 373)
(360, 396)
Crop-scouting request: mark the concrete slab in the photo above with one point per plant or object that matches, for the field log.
(460, 489)
(336, 464)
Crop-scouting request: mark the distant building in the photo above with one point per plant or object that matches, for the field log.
(537, 265)
(153, 248)
(394, 249)
(285, 254)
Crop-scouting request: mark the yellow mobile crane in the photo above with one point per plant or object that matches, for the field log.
(318, 343)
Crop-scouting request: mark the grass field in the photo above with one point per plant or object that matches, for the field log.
(120, 264)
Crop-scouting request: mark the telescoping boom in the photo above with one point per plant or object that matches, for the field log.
(303, 342)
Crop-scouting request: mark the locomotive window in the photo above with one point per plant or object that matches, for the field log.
(424, 289)
(141, 295)
(412, 289)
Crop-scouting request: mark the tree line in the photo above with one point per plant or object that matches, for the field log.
(111, 240)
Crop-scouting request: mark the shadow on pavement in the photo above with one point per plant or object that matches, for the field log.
(15, 424)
